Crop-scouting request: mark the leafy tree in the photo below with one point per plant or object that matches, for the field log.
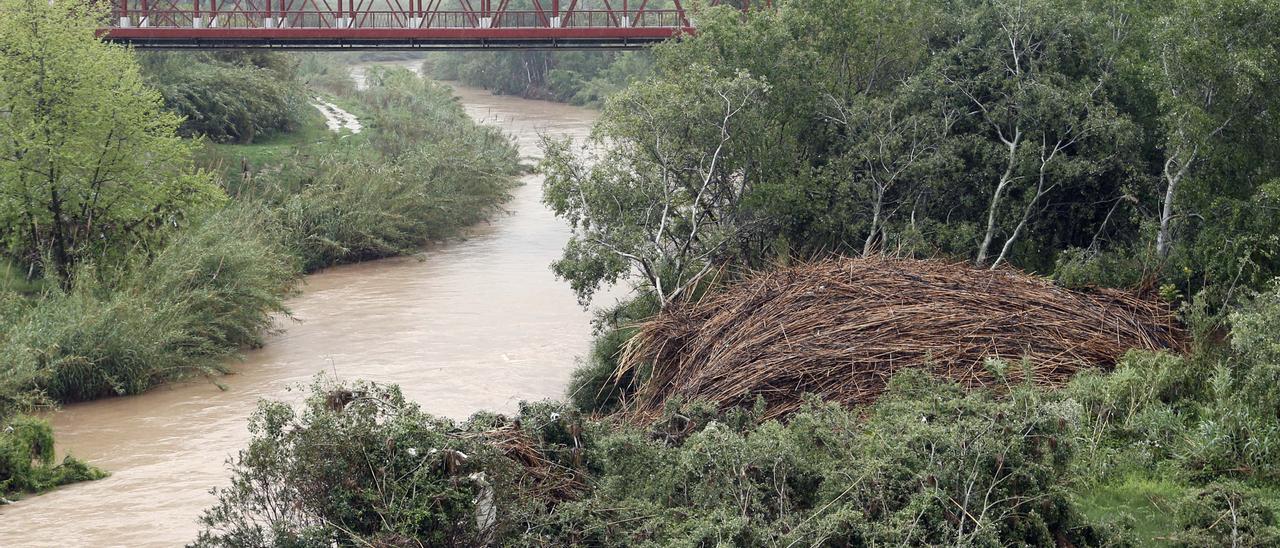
(893, 146)
(1041, 120)
(89, 160)
(1215, 71)
(666, 196)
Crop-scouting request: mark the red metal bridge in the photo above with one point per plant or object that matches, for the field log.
(399, 24)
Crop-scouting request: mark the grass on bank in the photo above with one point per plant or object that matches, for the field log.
(1151, 503)
(234, 160)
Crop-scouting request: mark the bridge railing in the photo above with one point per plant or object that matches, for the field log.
(364, 19)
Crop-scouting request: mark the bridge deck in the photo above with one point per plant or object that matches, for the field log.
(397, 24)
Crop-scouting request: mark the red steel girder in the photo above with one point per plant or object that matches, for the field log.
(396, 23)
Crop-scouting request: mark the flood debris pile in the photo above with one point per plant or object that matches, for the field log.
(841, 328)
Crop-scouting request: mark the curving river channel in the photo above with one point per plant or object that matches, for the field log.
(475, 324)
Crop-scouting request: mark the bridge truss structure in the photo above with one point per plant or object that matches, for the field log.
(400, 24)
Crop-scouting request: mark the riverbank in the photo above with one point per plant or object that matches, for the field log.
(480, 324)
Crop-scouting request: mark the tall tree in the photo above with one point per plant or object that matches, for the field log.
(892, 146)
(665, 198)
(1035, 92)
(89, 159)
(1214, 66)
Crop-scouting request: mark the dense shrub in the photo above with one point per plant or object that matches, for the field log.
(930, 464)
(229, 96)
(27, 459)
(592, 387)
(353, 205)
(580, 78)
(410, 114)
(1213, 414)
(395, 477)
(1226, 514)
(426, 171)
(206, 294)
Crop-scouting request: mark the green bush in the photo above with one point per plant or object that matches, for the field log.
(207, 293)
(27, 459)
(1079, 268)
(358, 465)
(592, 387)
(427, 171)
(1240, 433)
(229, 96)
(580, 78)
(929, 464)
(1226, 514)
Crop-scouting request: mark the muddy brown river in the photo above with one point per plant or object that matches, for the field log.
(474, 324)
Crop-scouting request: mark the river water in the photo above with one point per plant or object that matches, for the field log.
(475, 324)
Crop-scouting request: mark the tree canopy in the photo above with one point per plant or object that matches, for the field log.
(91, 162)
(1051, 136)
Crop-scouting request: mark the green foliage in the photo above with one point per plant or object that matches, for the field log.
(203, 296)
(425, 171)
(1216, 99)
(930, 464)
(592, 387)
(359, 465)
(1226, 514)
(665, 198)
(580, 78)
(27, 459)
(1046, 135)
(186, 302)
(1081, 268)
(1210, 415)
(410, 114)
(229, 96)
(353, 205)
(327, 73)
(91, 165)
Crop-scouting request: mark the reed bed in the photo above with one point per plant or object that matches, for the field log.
(840, 328)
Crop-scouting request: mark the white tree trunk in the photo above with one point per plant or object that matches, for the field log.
(1164, 237)
(1005, 179)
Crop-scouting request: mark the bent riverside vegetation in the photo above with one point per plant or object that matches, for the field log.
(905, 272)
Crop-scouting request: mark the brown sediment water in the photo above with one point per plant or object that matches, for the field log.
(475, 324)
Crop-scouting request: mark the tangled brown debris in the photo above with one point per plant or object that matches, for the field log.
(544, 478)
(841, 328)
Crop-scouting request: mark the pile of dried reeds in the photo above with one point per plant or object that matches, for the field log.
(841, 328)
